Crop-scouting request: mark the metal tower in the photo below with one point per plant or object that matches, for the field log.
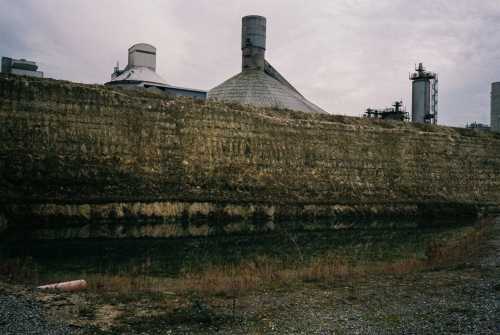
(424, 107)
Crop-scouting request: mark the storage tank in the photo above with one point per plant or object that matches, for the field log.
(423, 101)
(495, 106)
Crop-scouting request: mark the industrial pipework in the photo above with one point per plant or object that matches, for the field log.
(397, 112)
(253, 42)
(424, 107)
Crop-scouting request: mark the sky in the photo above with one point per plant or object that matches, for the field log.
(343, 55)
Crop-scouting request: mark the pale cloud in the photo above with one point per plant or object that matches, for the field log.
(344, 55)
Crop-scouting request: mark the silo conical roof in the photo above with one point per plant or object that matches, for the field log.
(258, 88)
(259, 84)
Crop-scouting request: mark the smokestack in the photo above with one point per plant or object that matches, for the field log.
(253, 42)
(495, 107)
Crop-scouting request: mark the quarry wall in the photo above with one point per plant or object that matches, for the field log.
(91, 161)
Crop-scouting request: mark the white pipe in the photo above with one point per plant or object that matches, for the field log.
(69, 286)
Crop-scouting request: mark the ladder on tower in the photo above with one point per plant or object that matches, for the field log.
(434, 99)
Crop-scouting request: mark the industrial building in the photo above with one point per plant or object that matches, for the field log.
(424, 105)
(259, 84)
(20, 67)
(140, 72)
(397, 112)
(478, 126)
(495, 107)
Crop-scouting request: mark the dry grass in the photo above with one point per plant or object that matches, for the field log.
(232, 280)
(19, 270)
(448, 252)
(327, 269)
(265, 272)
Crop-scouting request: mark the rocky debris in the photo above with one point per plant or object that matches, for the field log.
(23, 315)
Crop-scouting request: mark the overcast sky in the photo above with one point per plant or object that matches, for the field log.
(344, 55)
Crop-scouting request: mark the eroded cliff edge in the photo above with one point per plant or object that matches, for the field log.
(102, 162)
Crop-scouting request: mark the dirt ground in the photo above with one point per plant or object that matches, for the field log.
(459, 299)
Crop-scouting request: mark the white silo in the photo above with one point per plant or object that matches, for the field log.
(424, 96)
(259, 83)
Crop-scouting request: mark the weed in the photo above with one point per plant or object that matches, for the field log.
(231, 279)
(87, 311)
(19, 269)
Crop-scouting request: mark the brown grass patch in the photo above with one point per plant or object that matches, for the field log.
(267, 272)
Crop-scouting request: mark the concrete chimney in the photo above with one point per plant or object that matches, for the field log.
(253, 42)
(495, 107)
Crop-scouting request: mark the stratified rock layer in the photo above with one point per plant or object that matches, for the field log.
(117, 163)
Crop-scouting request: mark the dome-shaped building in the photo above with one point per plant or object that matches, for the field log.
(259, 84)
(140, 72)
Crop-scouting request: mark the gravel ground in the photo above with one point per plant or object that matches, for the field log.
(23, 315)
(461, 300)
(464, 299)
(435, 303)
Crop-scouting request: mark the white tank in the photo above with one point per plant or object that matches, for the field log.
(421, 96)
(420, 100)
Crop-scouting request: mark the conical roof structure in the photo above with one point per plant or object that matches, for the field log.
(259, 84)
(141, 73)
(138, 74)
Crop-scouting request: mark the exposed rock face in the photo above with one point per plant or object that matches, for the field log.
(87, 156)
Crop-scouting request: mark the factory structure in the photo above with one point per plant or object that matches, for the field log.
(494, 112)
(140, 72)
(424, 96)
(478, 126)
(424, 100)
(259, 83)
(397, 113)
(20, 67)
